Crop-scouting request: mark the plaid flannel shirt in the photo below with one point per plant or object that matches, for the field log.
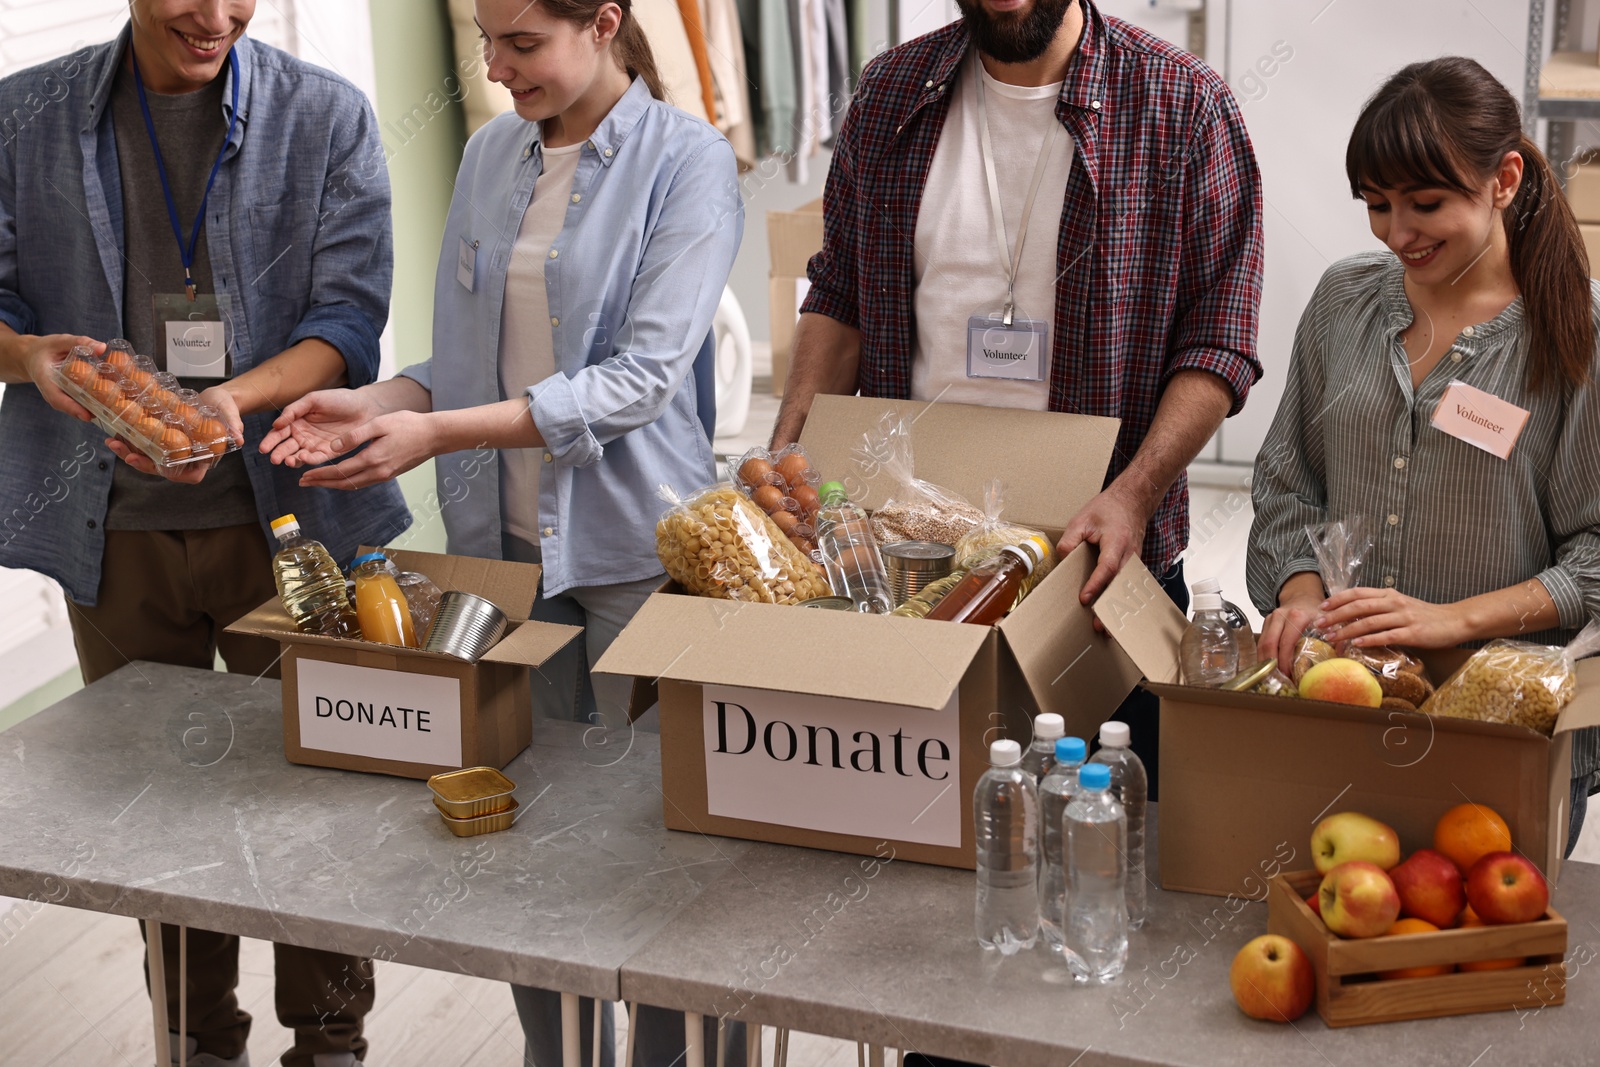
(1159, 253)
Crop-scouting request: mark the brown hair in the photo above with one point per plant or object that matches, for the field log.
(631, 46)
(1448, 123)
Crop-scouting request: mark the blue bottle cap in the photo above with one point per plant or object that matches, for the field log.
(1094, 776)
(366, 558)
(1071, 750)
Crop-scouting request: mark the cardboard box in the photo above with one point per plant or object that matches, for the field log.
(793, 237)
(1583, 191)
(1245, 777)
(1350, 991)
(364, 706)
(1591, 245)
(754, 697)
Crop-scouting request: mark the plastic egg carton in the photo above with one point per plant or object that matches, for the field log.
(130, 399)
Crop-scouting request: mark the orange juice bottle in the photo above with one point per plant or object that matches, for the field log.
(380, 605)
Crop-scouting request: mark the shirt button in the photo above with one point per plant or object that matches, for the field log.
(554, 321)
(554, 253)
(576, 197)
(1394, 520)
(1399, 462)
(1469, 331)
(607, 153)
(548, 530)
(1455, 357)
(1095, 104)
(1388, 580)
(589, 144)
(548, 458)
(91, 524)
(928, 84)
(102, 464)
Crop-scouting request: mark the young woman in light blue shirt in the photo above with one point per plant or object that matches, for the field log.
(589, 239)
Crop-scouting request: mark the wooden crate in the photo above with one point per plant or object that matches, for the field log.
(1349, 993)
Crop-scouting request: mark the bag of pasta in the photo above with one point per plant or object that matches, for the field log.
(1341, 549)
(986, 539)
(1515, 682)
(719, 544)
(916, 510)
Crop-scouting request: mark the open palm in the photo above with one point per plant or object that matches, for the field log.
(311, 430)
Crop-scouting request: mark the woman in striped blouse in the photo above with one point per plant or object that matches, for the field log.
(1478, 312)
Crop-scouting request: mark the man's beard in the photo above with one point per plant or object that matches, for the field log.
(1012, 37)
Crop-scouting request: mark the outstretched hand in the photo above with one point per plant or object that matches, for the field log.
(314, 429)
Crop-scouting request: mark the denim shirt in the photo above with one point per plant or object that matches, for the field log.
(633, 279)
(298, 232)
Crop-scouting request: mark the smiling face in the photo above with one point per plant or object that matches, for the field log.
(182, 44)
(1441, 233)
(547, 62)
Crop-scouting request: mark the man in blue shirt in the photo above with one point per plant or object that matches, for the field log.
(184, 182)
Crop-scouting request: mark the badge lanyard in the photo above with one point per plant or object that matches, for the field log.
(194, 328)
(1009, 347)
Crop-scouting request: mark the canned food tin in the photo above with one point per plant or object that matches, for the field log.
(482, 824)
(471, 792)
(465, 626)
(829, 603)
(912, 566)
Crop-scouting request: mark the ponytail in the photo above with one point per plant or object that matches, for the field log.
(1551, 268)
(1448, 123)
(633, 51)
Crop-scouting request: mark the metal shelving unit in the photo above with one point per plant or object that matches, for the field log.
(1562, 89)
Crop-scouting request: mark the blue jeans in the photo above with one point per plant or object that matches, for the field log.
(563, 688)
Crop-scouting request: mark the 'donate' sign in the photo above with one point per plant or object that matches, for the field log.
(390, 715)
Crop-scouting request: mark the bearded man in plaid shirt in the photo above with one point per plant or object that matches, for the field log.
(1127, 284)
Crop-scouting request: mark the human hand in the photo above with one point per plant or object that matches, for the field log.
(395, 443)
(1115, 524)
(311, 430)
(1299, 602)
(227, 408)
(41, 354)
(1369, 617)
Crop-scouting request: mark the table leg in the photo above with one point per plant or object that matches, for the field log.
(694, 1036)
(183, 996)
(158, 992)
(597, 1034)
(722, 1042)
(752, 1048)
(571, 1034)
(633, 1027)
(874, 1056)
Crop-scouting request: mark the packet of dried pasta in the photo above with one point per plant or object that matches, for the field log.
(1515, 682)
(717, 543)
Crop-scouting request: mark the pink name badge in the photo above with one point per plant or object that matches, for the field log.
(1480, 419)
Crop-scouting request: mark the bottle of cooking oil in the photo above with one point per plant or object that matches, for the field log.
(310, 584)
(380, 605)
(990, 587)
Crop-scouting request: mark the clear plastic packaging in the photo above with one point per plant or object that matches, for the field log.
(717, 543)
(422, 597)
(985, 540)
(916, 510)
(1341, 548)
(923, 601)
(131, 400)
(784, 485)
(1515, 682)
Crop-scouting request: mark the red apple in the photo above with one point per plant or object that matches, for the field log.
(1358, 900)
(1272, 979)
(1430, 887)
(1504, 887)
(1349, 835)
(1314, 902)
(1343, 681)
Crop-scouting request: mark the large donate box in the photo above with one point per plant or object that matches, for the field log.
(867, 733)
(364, 706)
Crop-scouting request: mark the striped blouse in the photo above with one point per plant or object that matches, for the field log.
(1352, 438)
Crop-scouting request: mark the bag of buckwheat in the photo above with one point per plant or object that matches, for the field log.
(916, 510)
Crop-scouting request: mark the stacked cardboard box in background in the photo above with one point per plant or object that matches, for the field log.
(793, 237)
(1583, 193)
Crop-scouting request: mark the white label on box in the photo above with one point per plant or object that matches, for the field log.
(363, 711)
(840, 766)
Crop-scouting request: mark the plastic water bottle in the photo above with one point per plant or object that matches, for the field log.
(1209, 652)
(1131, 786)
(1055, 793)
(1243, 637)
(1041, 755)
(1005, 811)
(1097, 908)
(850, 553)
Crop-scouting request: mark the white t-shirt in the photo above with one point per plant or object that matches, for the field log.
(959, 272)
(527, 350)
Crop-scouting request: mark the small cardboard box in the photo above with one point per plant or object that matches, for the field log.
(1352, 992)
(1591, 244)
(861, 733)
(793, 237)
(1245, 777)
(364, 706)
(1583, 191)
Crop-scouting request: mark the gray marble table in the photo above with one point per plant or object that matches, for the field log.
(163, 793)
(885, 954)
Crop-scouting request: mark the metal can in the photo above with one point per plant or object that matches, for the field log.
(912, 566)
(829, 603)
(482, 824)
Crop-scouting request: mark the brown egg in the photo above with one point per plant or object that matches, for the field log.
(147, 429)
(139, 377)
(174, 443)
(786, 522)
(160, 400)
(794, 467)
(754, 471)
(127, 409)
(120, 359)
(211, 434)
(80, 371)
(766, 497)
(807, 498)
(105, 390)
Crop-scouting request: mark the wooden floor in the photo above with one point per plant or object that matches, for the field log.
(72, 995)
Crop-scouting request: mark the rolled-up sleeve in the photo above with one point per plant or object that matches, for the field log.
(685, 266)
(353, 254)
(1573, 510)
(1219, 283)
(14, 311)
(1289, 487)
(832, 271)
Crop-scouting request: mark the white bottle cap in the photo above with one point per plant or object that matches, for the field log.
(1005, 753)
(1114, 734)
(1208, 585)
(1208, 602)
(1048, 727)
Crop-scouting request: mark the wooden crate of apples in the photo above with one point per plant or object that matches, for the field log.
(1464, 926)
